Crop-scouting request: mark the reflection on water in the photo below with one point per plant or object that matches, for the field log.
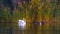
(40, 30)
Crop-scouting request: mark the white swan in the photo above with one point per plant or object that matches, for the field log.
(22, 24)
